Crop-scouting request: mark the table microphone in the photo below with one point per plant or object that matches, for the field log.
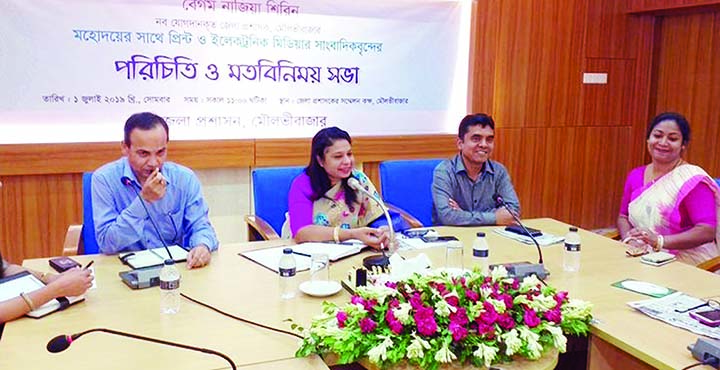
(127, 182)
(377, 260)
(523, 269)
(62, 342)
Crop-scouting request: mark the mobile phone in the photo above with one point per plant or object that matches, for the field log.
(657, 258)
(517, 229)
(709, 317)
(433, 239)
(62, 264)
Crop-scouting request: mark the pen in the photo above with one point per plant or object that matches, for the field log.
(88, 265)
(301, 254)
(340, 243)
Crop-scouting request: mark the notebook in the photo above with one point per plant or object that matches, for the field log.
(335, 251)
(153, 257)
(270, 257)
(25, 282)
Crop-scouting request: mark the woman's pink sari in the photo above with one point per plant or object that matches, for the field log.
(657, 208)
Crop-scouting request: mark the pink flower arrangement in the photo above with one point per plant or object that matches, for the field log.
(434, 319)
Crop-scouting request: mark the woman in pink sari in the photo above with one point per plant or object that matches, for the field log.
(669, 204)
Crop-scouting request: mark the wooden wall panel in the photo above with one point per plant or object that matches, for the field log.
(539, 62)
(287, 152)
(674, 6)
(485, 44)
(688, 80)
(602, 172)
(381, 148)
(609, 104)
(610, 31)
(36, 210)
(572, 174)
(641, 99)
(283, 152)
(38, 159)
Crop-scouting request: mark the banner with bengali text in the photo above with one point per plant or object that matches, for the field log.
(74, 70)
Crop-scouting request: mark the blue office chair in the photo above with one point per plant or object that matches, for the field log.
(717, 180)
(406, 187)
(80, 239)
(270, 192)
(89, 244)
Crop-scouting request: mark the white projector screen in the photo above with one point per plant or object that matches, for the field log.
(74, 70)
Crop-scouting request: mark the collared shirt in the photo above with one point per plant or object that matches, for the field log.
(475, 198)
(121, 223)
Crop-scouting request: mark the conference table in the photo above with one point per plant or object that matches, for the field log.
(621, 337)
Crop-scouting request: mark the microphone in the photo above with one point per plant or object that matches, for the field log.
(706, 350)
(127, 182)
(62, 342)
(523, 269)
(382, 260)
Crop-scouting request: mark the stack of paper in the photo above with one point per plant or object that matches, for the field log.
(673, 309)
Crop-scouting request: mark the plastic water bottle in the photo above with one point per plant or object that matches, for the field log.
(169, 288)
(481, 252)
(287, 269)
(571, 254)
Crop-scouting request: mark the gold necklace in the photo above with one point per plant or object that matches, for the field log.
(678, 163)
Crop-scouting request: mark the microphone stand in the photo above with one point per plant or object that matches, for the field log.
(62, 342)
(127, 182)
(521, 270)
(382, 260)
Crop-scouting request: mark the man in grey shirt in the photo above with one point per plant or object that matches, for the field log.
(465, 187)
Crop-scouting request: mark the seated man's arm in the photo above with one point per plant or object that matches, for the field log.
(442, 189)
(197, 221)
(114, 229)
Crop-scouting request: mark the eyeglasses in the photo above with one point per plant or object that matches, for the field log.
(709, 303)
(416, 233)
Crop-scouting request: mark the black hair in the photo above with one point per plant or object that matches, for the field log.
(678, 118)
(481, 119)
(144, 121)
(319, 179)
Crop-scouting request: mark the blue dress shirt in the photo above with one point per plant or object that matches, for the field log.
(121, 223)
(476, 198)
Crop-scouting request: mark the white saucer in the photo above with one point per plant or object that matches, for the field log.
(320, 288)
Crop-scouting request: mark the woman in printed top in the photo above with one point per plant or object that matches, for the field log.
(321, 204)
(669, 204)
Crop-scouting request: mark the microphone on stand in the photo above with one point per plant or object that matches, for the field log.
(127, 182)
(62, 342)
(377, 260)
(523, 269)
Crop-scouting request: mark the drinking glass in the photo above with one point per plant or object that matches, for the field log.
(319, 267)
(454, 255)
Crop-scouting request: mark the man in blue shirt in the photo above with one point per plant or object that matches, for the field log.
(465, 187)
(171, 192)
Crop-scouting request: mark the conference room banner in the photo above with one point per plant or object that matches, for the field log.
(74, 70)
